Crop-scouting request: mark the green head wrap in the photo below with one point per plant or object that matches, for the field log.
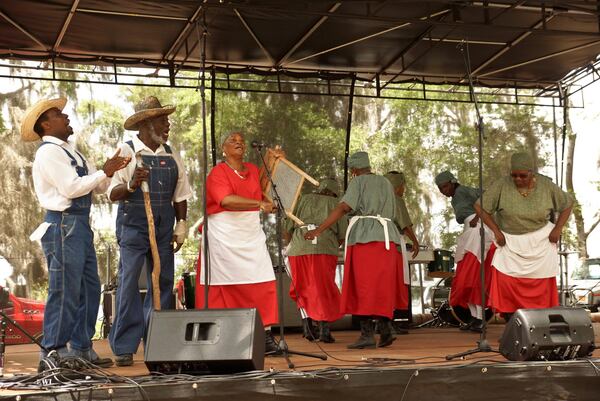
(444, 177)
(359, 160)
(330, 184)
(396, 178)
(521, 161)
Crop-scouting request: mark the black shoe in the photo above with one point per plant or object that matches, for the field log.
(507, 316)
(124, 360)
(105, 362)
(467, 326)
(386, 337)
(271, 346)
(367, 336)
(325, 333)
(476, 326)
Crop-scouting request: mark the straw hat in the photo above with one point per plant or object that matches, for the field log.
(150, 107)
(33, 113)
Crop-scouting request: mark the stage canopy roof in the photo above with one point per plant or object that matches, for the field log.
(517, 44)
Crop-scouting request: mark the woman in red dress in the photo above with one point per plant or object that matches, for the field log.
(241, 272)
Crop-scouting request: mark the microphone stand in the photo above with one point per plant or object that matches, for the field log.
(283, 347)
(482, 344)
(204, 246)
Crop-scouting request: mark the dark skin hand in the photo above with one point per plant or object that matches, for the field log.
(120, 192)
(489, 221)
(115, 163)
(474, 221)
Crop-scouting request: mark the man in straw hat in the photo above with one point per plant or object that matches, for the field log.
(313, 263)
(466, 285)
(372, 268)
(64, 180)
(169, 191)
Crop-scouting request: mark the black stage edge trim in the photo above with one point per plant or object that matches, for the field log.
(529, 381)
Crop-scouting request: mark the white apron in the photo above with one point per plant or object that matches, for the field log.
(382, 220)
(530, 255)
(237, 249)
(470, 240)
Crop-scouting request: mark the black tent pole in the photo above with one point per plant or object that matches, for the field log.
(348, 131)
(483, 344)
(212, 114)
(204, 158)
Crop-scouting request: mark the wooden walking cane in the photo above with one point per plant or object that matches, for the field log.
(152, 237)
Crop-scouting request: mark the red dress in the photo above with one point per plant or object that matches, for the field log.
(221, 182)
(373, 280)
(466, 285)
(313, 286)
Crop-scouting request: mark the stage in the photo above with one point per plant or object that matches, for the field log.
(413, 368)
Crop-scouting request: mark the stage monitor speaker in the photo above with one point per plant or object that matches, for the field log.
(211, 341)
(548, 334)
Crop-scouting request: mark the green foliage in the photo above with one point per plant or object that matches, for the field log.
(417, 137)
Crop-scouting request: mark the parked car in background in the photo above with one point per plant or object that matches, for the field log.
(29, 314)
(584, 283)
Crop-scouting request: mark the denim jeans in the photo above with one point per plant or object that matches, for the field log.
(73, 284)
(131, 317)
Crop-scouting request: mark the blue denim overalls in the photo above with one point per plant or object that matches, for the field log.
(73, 284)
(131, 318)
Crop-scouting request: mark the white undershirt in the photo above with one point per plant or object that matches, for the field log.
(55, 180)
(183, 190)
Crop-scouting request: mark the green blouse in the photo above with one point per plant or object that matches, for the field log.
(462, 202)
(314, 209)
(371, 195)
(517, 214)
(402, 216)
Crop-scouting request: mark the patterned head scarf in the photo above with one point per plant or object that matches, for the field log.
(444, 177)
(396, 178)
(359, 160)
(228, 135)
(521, 161)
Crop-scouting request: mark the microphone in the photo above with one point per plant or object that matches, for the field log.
(257, 145)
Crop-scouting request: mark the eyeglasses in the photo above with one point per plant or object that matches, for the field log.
(519, 175)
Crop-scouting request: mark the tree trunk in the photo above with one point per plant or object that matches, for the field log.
(577, 214)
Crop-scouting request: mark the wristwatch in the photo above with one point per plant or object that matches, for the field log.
(129, 189)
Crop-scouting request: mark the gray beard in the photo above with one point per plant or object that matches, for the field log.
(156, 138)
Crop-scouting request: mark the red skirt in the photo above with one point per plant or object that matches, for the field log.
(466, 285)
(262, 296)
(313, 280)
(373, 281)
(507, 293)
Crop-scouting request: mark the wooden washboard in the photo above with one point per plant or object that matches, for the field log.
(289, 180)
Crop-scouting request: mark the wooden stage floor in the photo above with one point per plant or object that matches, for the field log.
(421, 347)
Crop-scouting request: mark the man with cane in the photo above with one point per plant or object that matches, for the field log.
(163, 204)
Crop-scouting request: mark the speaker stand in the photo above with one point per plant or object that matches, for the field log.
(283, 347)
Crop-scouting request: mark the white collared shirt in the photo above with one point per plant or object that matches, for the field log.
(55, 180)
(183, 190)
